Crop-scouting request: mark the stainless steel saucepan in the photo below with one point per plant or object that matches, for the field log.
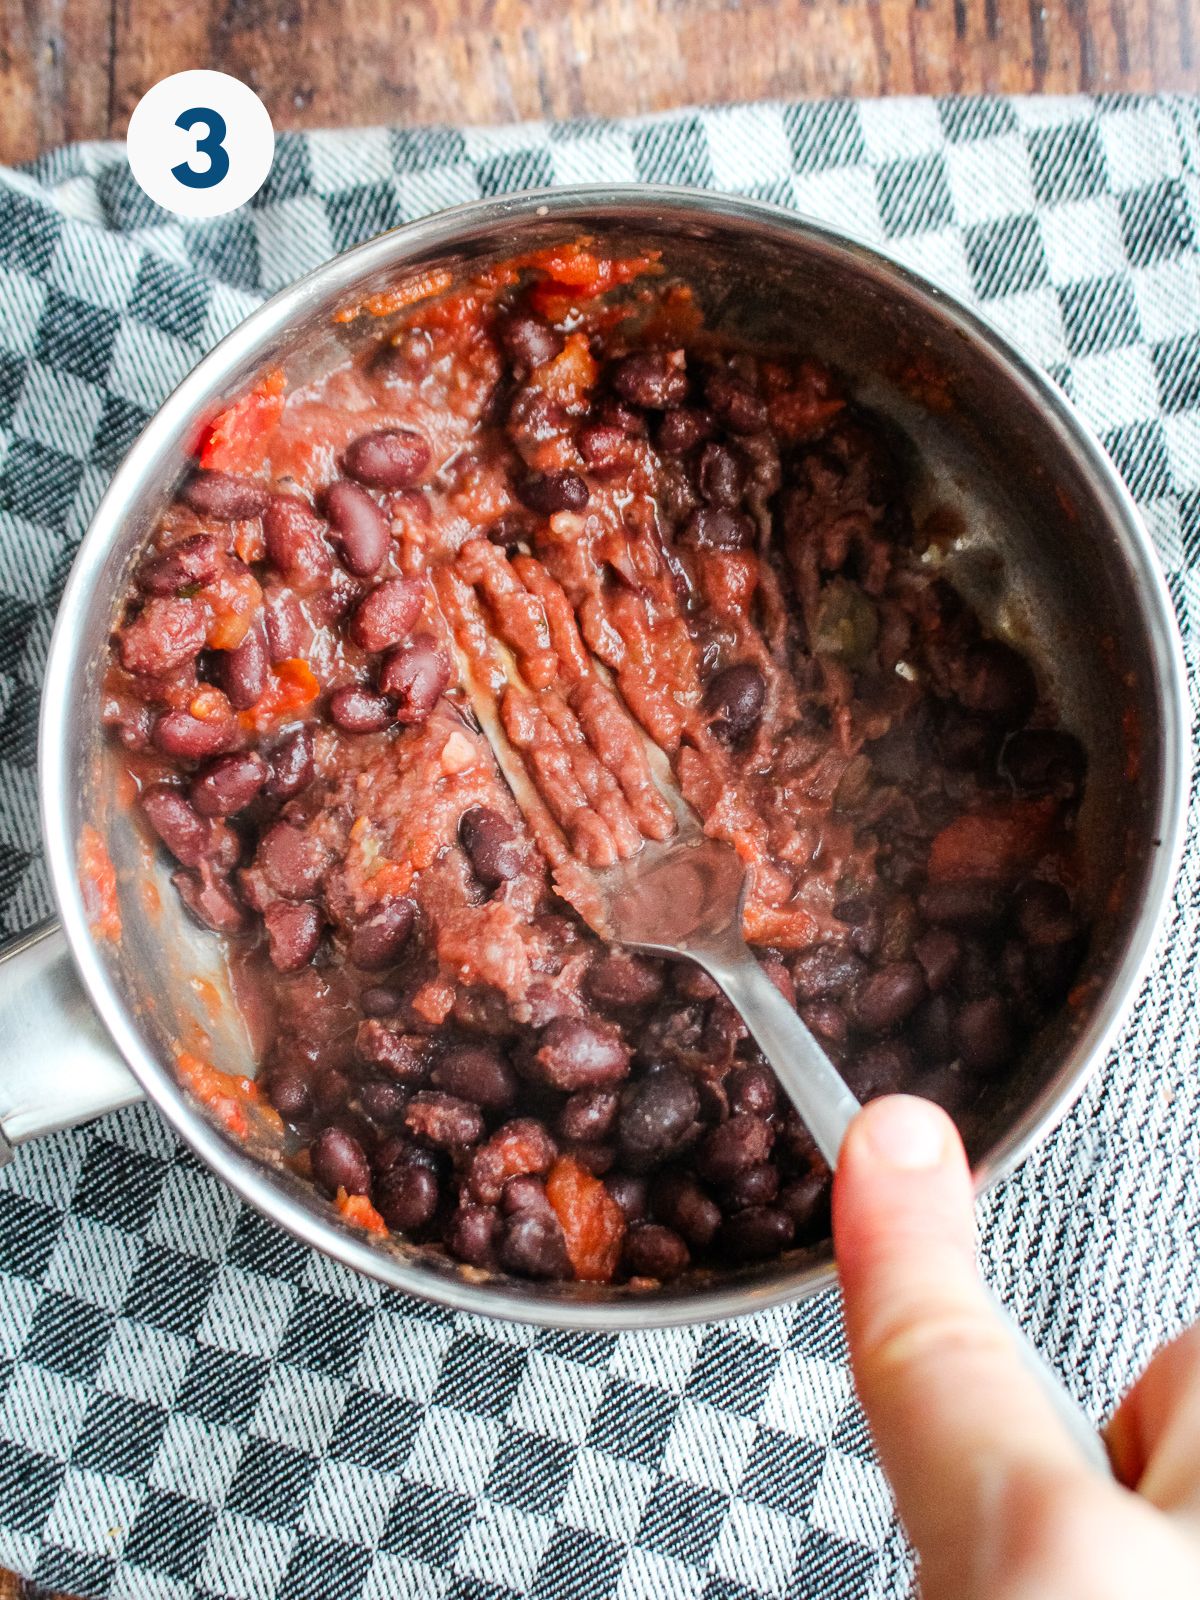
(1048, 546)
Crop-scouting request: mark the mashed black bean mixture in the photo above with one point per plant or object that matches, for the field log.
(551, 467)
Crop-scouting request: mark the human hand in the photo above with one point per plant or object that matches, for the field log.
(995, 1496)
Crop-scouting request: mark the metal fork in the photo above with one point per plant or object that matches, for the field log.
(685, 897)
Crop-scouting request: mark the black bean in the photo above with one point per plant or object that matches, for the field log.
(826, 970)
(655, 379)
(355, 709)
(620, 979)
(589, 1115)
(228, 784)
(889, 995)
(933, 1030)
(527, 340)
(359, 527)
(479, 1073)
(223, 497)
(756, 1186)
(332, 1093)
(491, 842)
(756, 1234)
(390, 458)
(293, 934)
(443, 1120)
(682, 430)
(379, 1001)
(574, 1054)
(166, 634)
(242, 672)
(340, 1162)
(881, 1068)
(735, 699)
(615, 413)
(983, 1033)
(680, 1202)
(996, 680)
(629, 1191)
(289, 1094)
(658, 1114)
(1043, 913)
(723, 475)
(388, 615)
(210, 899)
(714, 528)
(415, 676)
(752, 1089)
(525, 1193)
(522, 1145)
(548, 492)
(291, 764)
(471, 1233)
(939, 951)
(1045, 761)
(186, 834)
(295, 543)
(736, 403)
(193, 562)
(287, 631)
(407, 1198)
(292, 861)
(826, 1019)
(383, 1102)
(652, 1251)
(742, 1142)
(603, 446)
(403, 1057)
(962, 903)
(377, 941)
(533, 1244)
(807, 1201)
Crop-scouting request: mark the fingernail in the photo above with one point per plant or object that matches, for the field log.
(905, 1132)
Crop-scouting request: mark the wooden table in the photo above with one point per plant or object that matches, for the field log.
(74, 69)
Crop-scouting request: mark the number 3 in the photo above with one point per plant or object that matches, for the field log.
(212, 145)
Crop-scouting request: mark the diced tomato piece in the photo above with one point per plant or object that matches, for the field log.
(98, 885)
(574, 273)
(233, 597)
(292, 687)
(356, 1208)
(800, 400)
(234, 442)
(592, 1221)
(230, 1099)
(997, 844)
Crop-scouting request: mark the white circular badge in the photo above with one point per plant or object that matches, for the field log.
(200, 143)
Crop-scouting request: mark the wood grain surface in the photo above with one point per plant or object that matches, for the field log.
(74, 69)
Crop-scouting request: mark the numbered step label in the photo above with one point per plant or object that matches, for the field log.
(200, 143)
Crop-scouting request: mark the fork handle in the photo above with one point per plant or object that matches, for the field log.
(810, 1080)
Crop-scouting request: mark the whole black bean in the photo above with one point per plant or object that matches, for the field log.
(983, 1033)
(415, 676)
(293, 934)
(1043, 913)
(358, 526)
(390, 458)
(340, 1162)
(287, 631)
(996, 680)
(356, 709)
(723, 475)
(617, 414)
(589, 1116)
(332, 1092)
(223, 497)
(479, 1073)
(186, 834)
(756, 1186)
(295, 543)
(388, 614)
(289, 1094)
(881, 1068)
(963, 903)
(682, 430)
(380, 1001)
(825, 970)
(383, 1102)
(752, 1089)
(888, 996)
(742, 1142)
(209, 898)
(657, 1116)
(471, 1233)
(511, 532)
(680, 1202)
(714, 528)
(525, 1193)
(291, 764)
(548, 492)
(691, 982)
(193, 562)
(443, 1120)
(1045, 761)
(242, 672)
(938, 950)
(228, 784)
(736, 403)
(603, 446)
(293, 862)
(533, 1244)
(756, 1234)
(491, 842)
(826, 1019)
(403, 1057)
(574, 1054)
(629, 1191)
(735, 699)
(933, 1030)
(806, 1201)
(652, 1251)
(166, 634)
(619, 979)
(655, 379)
(407, 1198)
(527, 340)
(377, 941)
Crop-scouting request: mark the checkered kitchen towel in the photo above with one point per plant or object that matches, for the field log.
(193, 1404)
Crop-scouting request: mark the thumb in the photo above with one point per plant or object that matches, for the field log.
(963, 1430)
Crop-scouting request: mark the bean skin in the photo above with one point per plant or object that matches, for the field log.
(223, 497)
(383, 1102)
(228, 784)
(548, 492)
(756, 1186)
(654, 379)
(753, 1089)
(742, 1142)
(478, 1073)
(355, 709)
(589, 1116)
(287, 631)
(390, 458)
(358, 526)
(491, 843)
(291, 765)
(652, 1251)
(415, 676)
(520, 1146)
(964, 904)
(603, 446)
(806, 1201)
(186, 835)
(619, 979)
(1043, 913)
(388, 614)
(379, 939)
(735, 699)
(630, 1193)
(242, 672)
(824, 970)
(939, 951)
(293, 934)
(826, 1019)
(573, 1054)
(194, 561)
(443, 1120)
(340, 1162)
(289, 1094)
(525, 1193)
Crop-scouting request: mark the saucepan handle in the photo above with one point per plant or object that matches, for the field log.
(58, 1067)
